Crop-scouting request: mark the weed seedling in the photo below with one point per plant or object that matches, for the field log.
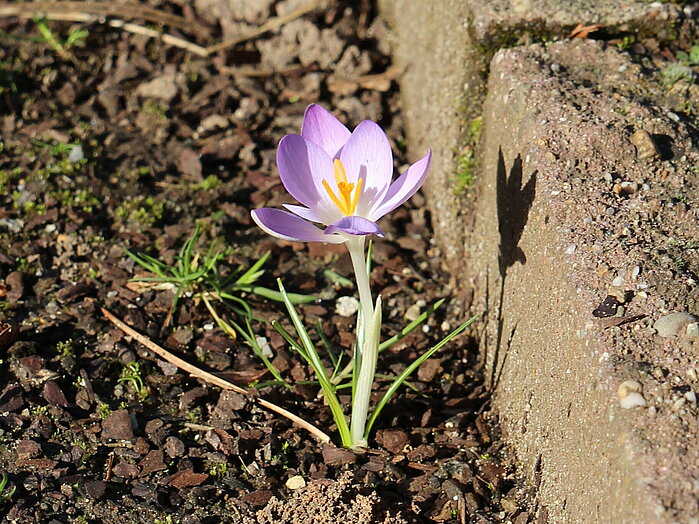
(5, 495)
(132, 374)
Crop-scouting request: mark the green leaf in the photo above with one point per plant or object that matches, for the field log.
(412, 326)
(410, 369)
(314, 361)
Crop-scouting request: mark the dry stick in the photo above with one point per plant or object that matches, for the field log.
(29, 9)
(211, 378)
(270, 25)
(92, 11)
(126, 26)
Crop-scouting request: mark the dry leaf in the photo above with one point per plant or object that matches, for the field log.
(583, 31)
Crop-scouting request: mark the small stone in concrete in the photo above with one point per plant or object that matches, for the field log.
(645, 145)
(629, 393)
(295, 482)
(673, 324)
(346, 306)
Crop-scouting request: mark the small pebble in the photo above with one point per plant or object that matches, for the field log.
(346, 306)
(629, 393)
(618, 281)
(645, 145)
(570, 249)
(673, 324)
(693, 329)
(412, 312)
(295, 482)
(76, 154)
(264, 347)
(690, 396)
(673, 116)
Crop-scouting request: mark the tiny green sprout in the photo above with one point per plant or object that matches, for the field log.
(5, 495)
(218, 469)
(691, 58)
(65, 347)
(210, 182)
(132, 374)
(676, 71)
(198, 273)
(167, 520)
(76, 38)
(36, 411)
(103, 410)
(626, 42)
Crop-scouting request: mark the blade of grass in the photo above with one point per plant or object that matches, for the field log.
(409, 370)
(412, 326)
(253, 273)
(290, 339)
(326, 342)
(318, 369)
(275, 295)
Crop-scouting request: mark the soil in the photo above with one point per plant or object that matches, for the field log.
(128, 142)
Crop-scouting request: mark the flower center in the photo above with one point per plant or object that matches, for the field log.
(345, 201)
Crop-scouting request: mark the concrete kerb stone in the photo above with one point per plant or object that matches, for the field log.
(445, 47)
(549, 142)
(554, 368)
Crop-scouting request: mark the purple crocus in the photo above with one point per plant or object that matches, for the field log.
(342, 178)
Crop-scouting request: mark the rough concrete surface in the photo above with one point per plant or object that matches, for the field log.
(585, 190)
(555, 147)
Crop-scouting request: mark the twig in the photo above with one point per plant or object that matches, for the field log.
(97, 11)
(213, 379)
(100, 9)
(270, 25)
(167, 39)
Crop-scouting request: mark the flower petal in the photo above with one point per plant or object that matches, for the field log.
(367, 154)
(284, 225)
(322, 128)
(404, 187)
(302, 167)
(354, 225)
(305, 213)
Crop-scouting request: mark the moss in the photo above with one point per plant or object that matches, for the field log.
(465, 161)
(143, 212)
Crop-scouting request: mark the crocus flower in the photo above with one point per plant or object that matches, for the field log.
(341, 178)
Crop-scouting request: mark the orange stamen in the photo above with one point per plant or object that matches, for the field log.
(344, 200)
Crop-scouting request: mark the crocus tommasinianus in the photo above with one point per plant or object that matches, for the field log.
(342, 179)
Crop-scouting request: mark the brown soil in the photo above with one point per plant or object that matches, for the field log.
(169, 139)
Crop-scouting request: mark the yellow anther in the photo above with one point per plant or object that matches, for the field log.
(340, 174)
(345, 202)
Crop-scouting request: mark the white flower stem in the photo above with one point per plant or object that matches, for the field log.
(367, 346)
(355, 246)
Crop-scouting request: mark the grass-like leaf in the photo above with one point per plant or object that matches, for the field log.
(310, 354)
(409, 370)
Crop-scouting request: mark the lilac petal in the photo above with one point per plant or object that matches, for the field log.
(322, 128)
(354, 225)
(404, 187)
(302, 167)
(367, 154)
(305, 213)
(284, 225)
